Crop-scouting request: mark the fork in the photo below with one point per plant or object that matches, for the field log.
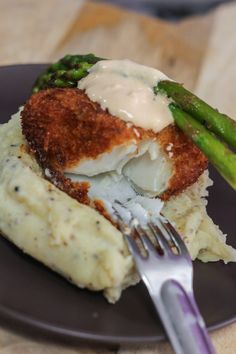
(166, 270)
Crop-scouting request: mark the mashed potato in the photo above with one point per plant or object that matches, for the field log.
(75, 240)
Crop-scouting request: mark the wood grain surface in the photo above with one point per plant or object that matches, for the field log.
(200, 52)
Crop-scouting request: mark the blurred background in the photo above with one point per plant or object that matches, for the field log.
(168, 9)
(192, 41)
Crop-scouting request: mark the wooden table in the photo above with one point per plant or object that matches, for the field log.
(200, 52)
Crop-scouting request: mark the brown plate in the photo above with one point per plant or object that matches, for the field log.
(35, 300)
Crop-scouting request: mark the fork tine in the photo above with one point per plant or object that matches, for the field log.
(175, 237)
(127, 232)
(132, 245)
(160, 237)
(147, 243)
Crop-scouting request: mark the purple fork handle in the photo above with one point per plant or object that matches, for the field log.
(182, 320)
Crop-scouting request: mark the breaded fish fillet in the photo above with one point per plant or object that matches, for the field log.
(68, 132)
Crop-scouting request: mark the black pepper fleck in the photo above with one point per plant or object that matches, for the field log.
(98, 225)
(16, 189)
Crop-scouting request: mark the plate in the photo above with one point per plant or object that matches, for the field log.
(35, 300)
(169, 9)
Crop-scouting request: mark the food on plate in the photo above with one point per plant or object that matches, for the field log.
(68, 70)
(95, 131)
(52, 122)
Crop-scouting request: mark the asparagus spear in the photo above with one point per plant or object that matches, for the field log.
(218, 154)
(66, 72)
(217, 122)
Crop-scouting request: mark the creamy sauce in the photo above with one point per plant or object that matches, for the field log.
(125, 88)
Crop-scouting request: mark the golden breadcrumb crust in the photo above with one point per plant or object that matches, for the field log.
(64, 127)
(188, 160)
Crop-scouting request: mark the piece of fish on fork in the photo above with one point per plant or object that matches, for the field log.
(165, 266)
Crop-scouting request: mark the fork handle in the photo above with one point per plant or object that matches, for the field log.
(182, 320)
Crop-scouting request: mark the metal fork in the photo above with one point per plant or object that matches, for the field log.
(166, 269)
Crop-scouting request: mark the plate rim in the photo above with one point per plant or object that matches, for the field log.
(11, 316)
